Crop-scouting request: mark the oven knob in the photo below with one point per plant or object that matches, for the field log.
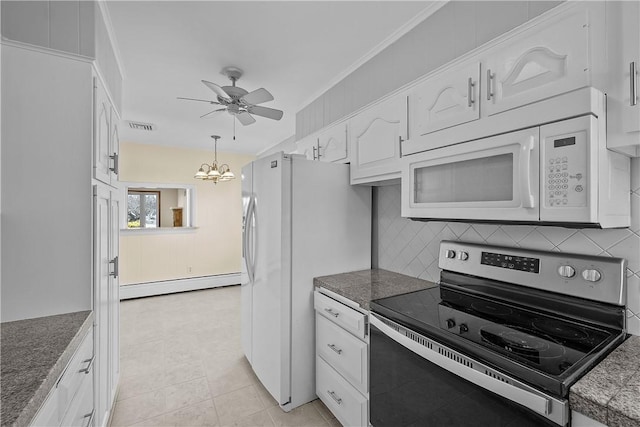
(450, 323)
(591, 275)
(450, 253)
(566, 271)
(464, 328)
(463, 256)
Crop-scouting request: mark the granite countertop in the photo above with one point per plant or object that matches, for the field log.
(610, 392)
(364, 286)
(34, 354)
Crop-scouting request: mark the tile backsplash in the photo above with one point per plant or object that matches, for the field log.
(411, 247)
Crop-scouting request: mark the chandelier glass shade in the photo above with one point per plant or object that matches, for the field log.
(215, 172)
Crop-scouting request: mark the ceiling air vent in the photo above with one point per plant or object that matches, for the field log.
(141, 126)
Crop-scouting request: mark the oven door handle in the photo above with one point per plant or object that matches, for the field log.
(535, 402)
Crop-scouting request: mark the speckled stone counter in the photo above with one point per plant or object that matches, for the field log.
(364, 286)
(610, 392)
(34, 354)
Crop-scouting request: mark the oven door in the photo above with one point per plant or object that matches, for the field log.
(415, 381)
(495, 178)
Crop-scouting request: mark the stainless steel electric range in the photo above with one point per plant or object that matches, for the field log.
(498, 342)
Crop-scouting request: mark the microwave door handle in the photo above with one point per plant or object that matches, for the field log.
(528, 200)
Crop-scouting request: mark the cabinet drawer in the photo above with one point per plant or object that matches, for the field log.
(345, 402)
(344, 352)
(80, 412)
(79, 368)
(347, 318)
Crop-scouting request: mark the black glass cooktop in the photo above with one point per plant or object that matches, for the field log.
(514, 331)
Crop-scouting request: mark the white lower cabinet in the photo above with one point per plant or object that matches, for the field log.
(70, 402)
(342, 356)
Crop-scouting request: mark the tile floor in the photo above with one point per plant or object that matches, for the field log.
(182, 365)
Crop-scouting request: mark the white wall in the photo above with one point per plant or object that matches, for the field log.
(213, 248)
(411, 247)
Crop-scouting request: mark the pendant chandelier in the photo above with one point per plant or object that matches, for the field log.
(213, 172)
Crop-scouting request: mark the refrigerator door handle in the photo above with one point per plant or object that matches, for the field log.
(247, 236)
(254, 236)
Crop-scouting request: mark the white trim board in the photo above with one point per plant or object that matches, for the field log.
(140, 290)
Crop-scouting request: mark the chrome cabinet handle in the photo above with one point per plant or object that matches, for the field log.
(400, 141)
(334, 348)
(489, 91)
(115, 263)
(86, 369)
(633, 89)
(114, 157)
(318, 143)
(314, 152)
(331, 312)
(470, 85)
(89, 418)
(335, 397)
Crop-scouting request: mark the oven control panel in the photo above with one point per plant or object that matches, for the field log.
(530, 265)
(596, 278)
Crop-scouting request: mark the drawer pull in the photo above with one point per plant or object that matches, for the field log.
(331, 312)
(633, 96)
(335, 397)
(89, 418)
(87, 368)
(334, 348)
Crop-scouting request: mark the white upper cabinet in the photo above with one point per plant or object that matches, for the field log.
(332, 144)
(308, 147)
(546, 60)
(447, 100)
(375, 139)
(106, 140)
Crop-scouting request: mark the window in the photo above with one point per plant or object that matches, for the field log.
(157, 207)
(143, 208)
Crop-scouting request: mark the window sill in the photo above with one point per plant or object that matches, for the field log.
(161, 230)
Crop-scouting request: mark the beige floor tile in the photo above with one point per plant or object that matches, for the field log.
(135, 385)
(238, 404)
(266, 398)
(302, 416)
(228, 380)
(139, 408)
(151, 422)
(324, 411)
(334, 423)
(178, 373)
(200, 414)
(259, 419)
(186, 393)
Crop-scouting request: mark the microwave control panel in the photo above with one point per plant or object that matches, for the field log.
(565, 170)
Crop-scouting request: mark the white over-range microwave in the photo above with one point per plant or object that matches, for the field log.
(559, 172)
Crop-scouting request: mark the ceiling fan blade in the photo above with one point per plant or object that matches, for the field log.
(245, 118)
(211, 112)
(202, 100)
(258, 96)
(217, 90)
(269, 113)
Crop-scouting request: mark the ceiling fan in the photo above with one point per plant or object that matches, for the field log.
(239, 102)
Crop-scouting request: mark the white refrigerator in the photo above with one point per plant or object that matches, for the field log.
(301, 219)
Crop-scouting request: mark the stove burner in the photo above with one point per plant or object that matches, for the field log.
(491, 309)
(560, 329)
(519, 342)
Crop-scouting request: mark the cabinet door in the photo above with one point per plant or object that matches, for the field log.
(446, 100)
(549, 59)
(375, 138)
(631, 65)
(114, 148)
(102, 133)
(114, 295)
(307, 146)
(102, 268)
(332, 144)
